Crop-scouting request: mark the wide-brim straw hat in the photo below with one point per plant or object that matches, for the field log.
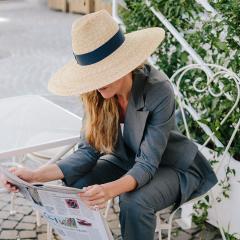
(102, 54)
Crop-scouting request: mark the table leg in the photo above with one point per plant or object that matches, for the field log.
(49, 232)
(38, 218)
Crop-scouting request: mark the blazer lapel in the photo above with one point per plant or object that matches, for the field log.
(136, 114)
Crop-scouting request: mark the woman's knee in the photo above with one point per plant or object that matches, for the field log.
(137, 220)
(82, 182)
(134, 204)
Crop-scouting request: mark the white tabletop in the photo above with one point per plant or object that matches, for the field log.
(32, 123)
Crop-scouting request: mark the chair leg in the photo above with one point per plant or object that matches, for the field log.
(158, 226)
(49, 232)
(12, 207)
(170, 222)
(22, 160)
(109, 202)
(60, 154)
(169, 228)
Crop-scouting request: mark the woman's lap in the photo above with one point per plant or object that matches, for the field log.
(103, 172)
(138, 208)
(163, 190)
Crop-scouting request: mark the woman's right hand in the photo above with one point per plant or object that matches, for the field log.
(23, 173)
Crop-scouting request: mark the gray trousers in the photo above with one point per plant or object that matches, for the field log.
(137, 208)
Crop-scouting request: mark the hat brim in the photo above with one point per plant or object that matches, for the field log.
(74, 79)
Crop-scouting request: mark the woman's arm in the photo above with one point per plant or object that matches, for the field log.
(78, 163)
(161, 121)
(43, 174)
(47, 173)
(124, 184)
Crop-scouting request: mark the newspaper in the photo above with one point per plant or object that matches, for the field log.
(63, 209)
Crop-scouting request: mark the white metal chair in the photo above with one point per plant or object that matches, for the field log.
(213, 75)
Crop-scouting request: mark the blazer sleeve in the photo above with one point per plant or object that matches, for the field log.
(80, 162)
(160, 122)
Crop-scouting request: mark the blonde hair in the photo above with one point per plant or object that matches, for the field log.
(101, 119)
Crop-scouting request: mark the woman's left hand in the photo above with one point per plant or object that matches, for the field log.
(95, 196)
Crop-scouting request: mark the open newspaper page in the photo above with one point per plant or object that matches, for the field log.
(63, 209)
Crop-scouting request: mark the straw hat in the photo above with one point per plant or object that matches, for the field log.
(103, 54)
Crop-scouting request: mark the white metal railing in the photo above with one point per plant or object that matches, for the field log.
(207, 6)
(197, 58)
(115, 12)
(186, 46)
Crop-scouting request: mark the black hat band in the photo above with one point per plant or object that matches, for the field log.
(101, 52)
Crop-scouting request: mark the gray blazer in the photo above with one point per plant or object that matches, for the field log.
(150, 139)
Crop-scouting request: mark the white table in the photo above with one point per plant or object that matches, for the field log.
(32, 123)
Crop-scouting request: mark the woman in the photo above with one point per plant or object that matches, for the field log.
(150, 165)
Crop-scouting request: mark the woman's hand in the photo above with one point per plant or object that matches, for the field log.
(95, 196)
(23, 173)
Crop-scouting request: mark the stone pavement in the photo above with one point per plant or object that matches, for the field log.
(23, 225)
(34, 43)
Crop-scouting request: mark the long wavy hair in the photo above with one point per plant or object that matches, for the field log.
(101, 121)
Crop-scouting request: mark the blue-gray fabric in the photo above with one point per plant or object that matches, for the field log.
(138, 208)
(150, 140)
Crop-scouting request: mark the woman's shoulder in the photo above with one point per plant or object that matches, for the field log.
(157, 88)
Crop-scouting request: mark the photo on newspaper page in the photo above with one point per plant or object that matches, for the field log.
(63, 210)
(71, 218)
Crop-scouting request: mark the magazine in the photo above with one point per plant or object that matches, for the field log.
(63, 209)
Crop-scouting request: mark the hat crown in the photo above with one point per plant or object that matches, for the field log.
(92, 31)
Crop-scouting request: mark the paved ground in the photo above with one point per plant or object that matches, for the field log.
(22, 225)
(34, 43)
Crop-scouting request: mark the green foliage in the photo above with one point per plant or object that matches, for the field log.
(231, 236)
(201, 213)
(139, 16)
(214, 38)
(225, 183)
(217, 40)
